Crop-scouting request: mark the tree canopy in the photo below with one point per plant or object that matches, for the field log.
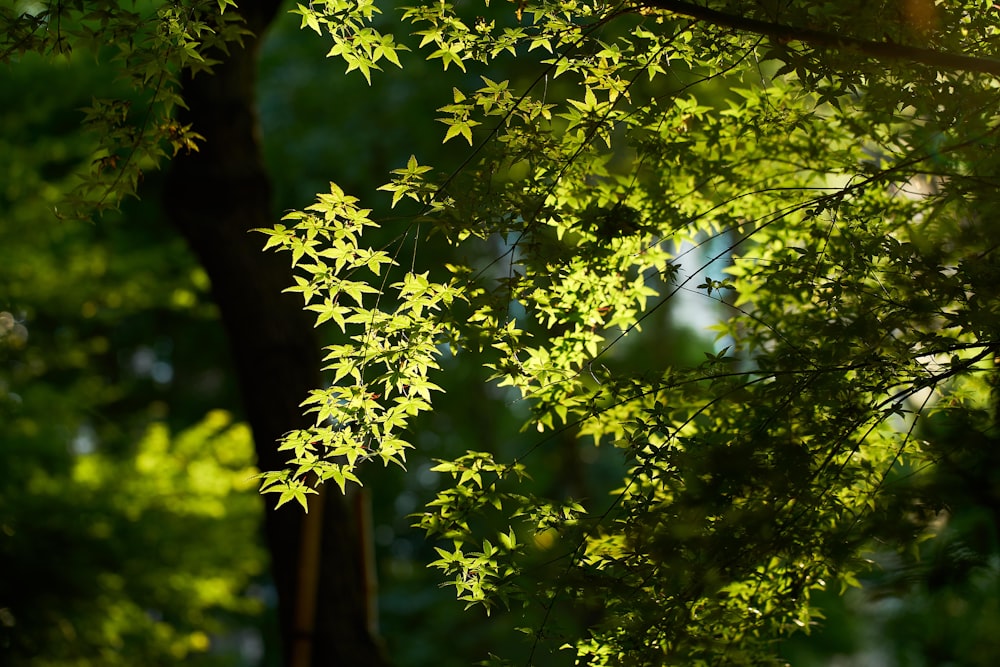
(821, 176)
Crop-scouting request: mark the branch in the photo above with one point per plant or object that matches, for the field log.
(826, 40)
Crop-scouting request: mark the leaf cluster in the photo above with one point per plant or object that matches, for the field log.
(148, 46)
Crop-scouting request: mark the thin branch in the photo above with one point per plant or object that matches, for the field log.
(820, 39)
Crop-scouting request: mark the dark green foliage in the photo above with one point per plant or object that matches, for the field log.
(128, 515)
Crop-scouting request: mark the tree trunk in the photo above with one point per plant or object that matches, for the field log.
(214, 197)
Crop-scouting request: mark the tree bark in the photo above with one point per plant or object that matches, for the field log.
(214, 197)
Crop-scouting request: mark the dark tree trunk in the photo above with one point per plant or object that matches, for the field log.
(214, 197)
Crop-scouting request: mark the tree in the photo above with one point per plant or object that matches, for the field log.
(842, 158)
(844, 154)
(215, 196)
(158, 49)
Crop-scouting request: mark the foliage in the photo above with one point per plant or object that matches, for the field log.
(146, 45)
(114, 608)
(842, 153)
(128, 516)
